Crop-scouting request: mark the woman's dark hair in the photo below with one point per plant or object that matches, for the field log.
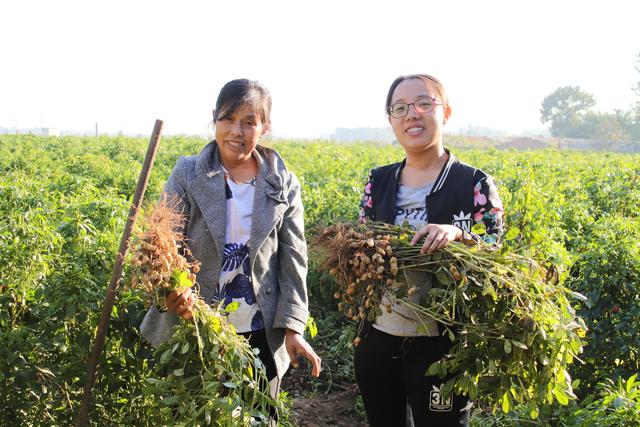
(425, 78)
(243, 92)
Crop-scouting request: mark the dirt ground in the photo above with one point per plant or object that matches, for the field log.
(334, 408)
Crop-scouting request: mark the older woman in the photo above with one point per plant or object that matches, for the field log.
(244, 223)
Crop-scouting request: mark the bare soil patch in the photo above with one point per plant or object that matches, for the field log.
(336, 407)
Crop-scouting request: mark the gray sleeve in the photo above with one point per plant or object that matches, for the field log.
(157, 327)
(292, 307)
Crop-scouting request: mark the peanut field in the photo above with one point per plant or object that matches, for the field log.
(63, 205)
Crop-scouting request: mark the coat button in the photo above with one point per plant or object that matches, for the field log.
(267, 291)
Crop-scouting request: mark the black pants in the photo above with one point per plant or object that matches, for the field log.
(390, 372)
(258, 339)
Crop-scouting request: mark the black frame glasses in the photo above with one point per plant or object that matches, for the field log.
(422, 109)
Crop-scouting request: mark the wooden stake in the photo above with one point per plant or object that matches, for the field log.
(116, 275)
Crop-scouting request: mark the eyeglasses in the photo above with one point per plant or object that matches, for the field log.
(422, 106)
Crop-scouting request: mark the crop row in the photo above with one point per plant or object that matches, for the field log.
(63, 203)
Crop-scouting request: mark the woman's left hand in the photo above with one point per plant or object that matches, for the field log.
(295, 345)
(437, 236)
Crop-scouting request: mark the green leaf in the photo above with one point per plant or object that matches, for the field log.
(452, 337)
(519, 344)
(166, 356)
(443, 370)
(443, 276)
(178, 372)
(488, 289)
(215, 325)
(560, 395)
(511, 234)
(506, 402)
(173, 400)
(250, 368)
(630, 383)
(544, 359)
(180, 279)
(507, 346)
(184, 280)
(578, 296)
(446, 389)
(185, 348)
(231, 307)
(479, 228)
(175, 277)
(311, 327)
(71, 310)
(434, 369)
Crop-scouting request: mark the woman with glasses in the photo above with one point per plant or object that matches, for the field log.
(245, 226)
(442, 199)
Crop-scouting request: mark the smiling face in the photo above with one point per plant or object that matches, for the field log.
(237, 134)
(419, 132)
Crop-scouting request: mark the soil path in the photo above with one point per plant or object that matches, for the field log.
(334, 408)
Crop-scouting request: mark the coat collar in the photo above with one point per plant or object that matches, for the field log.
(269, 201)
(444, 172)
(442, 176)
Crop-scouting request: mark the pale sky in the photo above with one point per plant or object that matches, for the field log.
(327, 64)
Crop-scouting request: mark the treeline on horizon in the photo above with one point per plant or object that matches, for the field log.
(570, 112)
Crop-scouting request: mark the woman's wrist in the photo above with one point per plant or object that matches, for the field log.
(459, 233)
(290, 332)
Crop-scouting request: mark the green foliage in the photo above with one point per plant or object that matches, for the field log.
(334, 344)
(616, 404)
(513, 329)
(207, 375)
(607, 272)
(616, 127)
(64, 201)
(57, 252)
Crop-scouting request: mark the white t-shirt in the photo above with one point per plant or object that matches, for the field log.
(403, 321)
(234, 283)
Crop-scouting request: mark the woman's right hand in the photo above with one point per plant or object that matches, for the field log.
(437, 236)
(181, 303)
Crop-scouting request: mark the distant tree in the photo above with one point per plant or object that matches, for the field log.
(565, 109)
(612, 128)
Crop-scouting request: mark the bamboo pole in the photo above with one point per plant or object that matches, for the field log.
(116, 275)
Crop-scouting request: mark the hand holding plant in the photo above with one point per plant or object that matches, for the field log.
(206, 373)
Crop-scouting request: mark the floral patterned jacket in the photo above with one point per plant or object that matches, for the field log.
(461, 195)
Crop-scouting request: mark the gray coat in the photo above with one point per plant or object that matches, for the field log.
(278, 251)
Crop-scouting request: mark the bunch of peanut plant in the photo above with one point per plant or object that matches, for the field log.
(206, 374)
(511, 322)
